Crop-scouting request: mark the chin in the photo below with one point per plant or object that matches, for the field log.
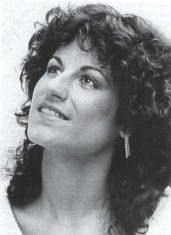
(36, 136)
(43, 138)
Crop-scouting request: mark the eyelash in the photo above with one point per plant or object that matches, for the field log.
(52, 67)
(94, 85)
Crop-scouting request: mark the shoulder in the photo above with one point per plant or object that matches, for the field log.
(7, 222)
(160, 221)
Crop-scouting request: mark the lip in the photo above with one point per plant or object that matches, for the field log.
(55, 109)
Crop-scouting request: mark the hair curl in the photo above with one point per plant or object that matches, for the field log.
(138, 58)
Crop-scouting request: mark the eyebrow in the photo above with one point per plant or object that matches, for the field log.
(88, 67)
(83, 68)
(58, 59)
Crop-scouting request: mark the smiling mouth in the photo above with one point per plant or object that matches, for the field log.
(51, 112)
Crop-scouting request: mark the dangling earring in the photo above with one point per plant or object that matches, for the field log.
(127, 147)
(126, 141)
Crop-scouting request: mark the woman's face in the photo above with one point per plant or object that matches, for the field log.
(74, 104)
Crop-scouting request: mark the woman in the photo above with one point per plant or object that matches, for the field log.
(95, 159)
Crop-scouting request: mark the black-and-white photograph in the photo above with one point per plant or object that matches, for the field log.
(85, 117)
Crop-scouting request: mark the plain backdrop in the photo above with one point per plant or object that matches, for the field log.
(17, 26)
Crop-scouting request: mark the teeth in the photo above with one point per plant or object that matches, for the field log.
(51, 112)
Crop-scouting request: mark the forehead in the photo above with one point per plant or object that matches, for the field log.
(72, 55)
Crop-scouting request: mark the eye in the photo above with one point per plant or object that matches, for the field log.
(53, 69)
(87, 81)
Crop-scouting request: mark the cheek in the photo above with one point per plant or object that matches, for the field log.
(33, 119)
(38, 89)
(95, 126)
(97, 107)
(38, 92)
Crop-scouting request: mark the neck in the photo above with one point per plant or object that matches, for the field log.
(71, 185)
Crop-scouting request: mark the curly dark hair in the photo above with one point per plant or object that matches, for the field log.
(138, 57)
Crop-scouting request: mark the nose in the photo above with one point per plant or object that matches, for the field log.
(56, 88)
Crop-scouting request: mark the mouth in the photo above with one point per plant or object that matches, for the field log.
(52, 112)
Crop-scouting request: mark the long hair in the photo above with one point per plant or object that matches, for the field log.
(138, 58)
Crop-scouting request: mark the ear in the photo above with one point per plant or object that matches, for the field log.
(124, 134)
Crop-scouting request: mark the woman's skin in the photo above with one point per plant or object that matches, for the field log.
(78, 144)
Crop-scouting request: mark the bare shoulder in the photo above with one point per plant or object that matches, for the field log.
(7, 221)
(160, 221)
